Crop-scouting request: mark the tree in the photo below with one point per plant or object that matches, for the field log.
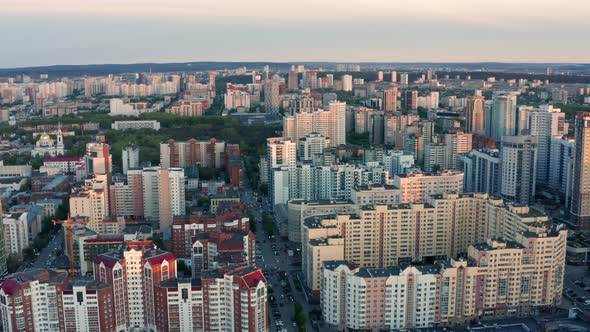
(300, 317)
(12, 263)
(252, 219)
(422, 112)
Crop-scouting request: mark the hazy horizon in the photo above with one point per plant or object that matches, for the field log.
(67, 32)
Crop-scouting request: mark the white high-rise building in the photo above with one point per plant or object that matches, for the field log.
(150, 182)
(118, 107)
(271, 95)
(393, 77)
(403, 79)
(172, 196)
(503, 116)
(455, 144)
(337, 125)
(92, 202)
(482, 171)
(544, 123)
(234, 98)
(16, 232)
(163, 195)
(329, 123)
(281, 158)
(311, 146)
(518, 155)
(130, 156)
(346, 82)
(562, 156)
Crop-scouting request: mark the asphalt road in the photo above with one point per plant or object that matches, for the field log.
(47, 255)
(278, 268)
(576, 279)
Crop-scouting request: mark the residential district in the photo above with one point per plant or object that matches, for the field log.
(340, 197)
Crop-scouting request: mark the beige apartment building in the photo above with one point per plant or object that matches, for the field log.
(416, 185)
(380, 236)
(499, 279)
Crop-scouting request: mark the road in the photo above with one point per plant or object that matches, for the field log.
(47, 255)
(576, 279)
(279, 268)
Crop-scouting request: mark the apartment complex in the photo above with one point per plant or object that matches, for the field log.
(444, 226)
(29, 300)
(329, 123)
(499, 279)
(416, 185)
(230, 299)
(135, 288)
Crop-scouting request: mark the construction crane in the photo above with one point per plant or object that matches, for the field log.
(68, 223)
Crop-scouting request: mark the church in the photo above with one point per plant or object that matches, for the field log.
(48, 147)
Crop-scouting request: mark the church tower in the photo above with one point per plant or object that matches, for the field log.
(59, 147)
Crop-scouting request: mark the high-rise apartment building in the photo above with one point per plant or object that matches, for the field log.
(15, 232)
(134, 271)
(503, 116)
(229, 299)
(329, 123)
(163, 195)
(560, 164)
(543, 122)
(171, 200)
(91, 202)
(209, 153)
(411, 100)
(235, 98)
(482, 171)
(312, 146)
(403, 78)
(87, 307)
(29, 300)
(387, 235)
(416, 185)
(475, 115)
(346, 82)
(130, 156)
(293, 80)
(580, 189)
(499, 279)
(518, 155)
(390, 100)
(271, 96)
(456, 143)
(281, 158)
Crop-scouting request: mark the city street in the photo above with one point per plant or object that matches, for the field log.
(576, 286)
(47, 255)
(272, 256)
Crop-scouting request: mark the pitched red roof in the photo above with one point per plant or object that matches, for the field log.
(252, 279)
(157, 260)
(58, 159)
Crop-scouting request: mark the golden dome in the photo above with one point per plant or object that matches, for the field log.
(44, 136)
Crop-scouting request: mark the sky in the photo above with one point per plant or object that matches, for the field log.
(41, 32)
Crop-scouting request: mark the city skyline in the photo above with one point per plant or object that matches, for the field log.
(176, 31)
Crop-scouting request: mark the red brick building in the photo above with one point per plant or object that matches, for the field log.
(134, 271)
(184, 228)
